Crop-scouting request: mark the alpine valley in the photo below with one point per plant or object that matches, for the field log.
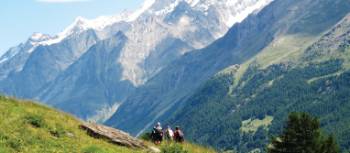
(227, 71)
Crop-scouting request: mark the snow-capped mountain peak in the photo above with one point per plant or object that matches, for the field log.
(193, 2)
(146, 5)
(37, 37)
(231, 11)
(81, 24)
(157, 7)
(244, 8)
(227, 12)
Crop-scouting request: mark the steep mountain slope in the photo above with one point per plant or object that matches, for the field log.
(158, 33)
(242, 106)
(178, 80)
(92, 82)
(45, 63)
(14, 59)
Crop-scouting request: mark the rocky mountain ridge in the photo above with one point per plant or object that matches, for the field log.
(155, 35)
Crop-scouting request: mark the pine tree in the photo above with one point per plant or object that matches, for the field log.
(302, 134)
(329, 146)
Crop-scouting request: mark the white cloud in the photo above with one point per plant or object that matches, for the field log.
(61, 1)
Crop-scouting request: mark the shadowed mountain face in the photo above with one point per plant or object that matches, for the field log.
(171, 88)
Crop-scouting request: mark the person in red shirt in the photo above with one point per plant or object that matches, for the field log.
(178, 135)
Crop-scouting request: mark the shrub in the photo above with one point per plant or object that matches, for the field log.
(36, 121)
(146, 136)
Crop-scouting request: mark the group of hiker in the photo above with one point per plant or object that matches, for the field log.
(159, 134)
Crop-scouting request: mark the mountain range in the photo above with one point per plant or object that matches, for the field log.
(227, 71)
(96, 64)
(236, 92)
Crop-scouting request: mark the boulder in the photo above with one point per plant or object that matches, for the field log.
(113, 135)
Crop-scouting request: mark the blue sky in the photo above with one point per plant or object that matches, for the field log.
(21, 18)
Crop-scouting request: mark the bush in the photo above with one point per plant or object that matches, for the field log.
(146, 136)
(173, 148)
(36, 121)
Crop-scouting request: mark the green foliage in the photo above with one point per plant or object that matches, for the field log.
(146, 136)
(330, 145)
(302, 134)
(173, 148)
(35, 120)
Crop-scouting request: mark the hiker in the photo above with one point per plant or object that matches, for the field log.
(178, 135)
(157, 134)
(169, 133)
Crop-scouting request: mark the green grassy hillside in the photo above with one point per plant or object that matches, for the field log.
(26, 127)
(30, 128)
